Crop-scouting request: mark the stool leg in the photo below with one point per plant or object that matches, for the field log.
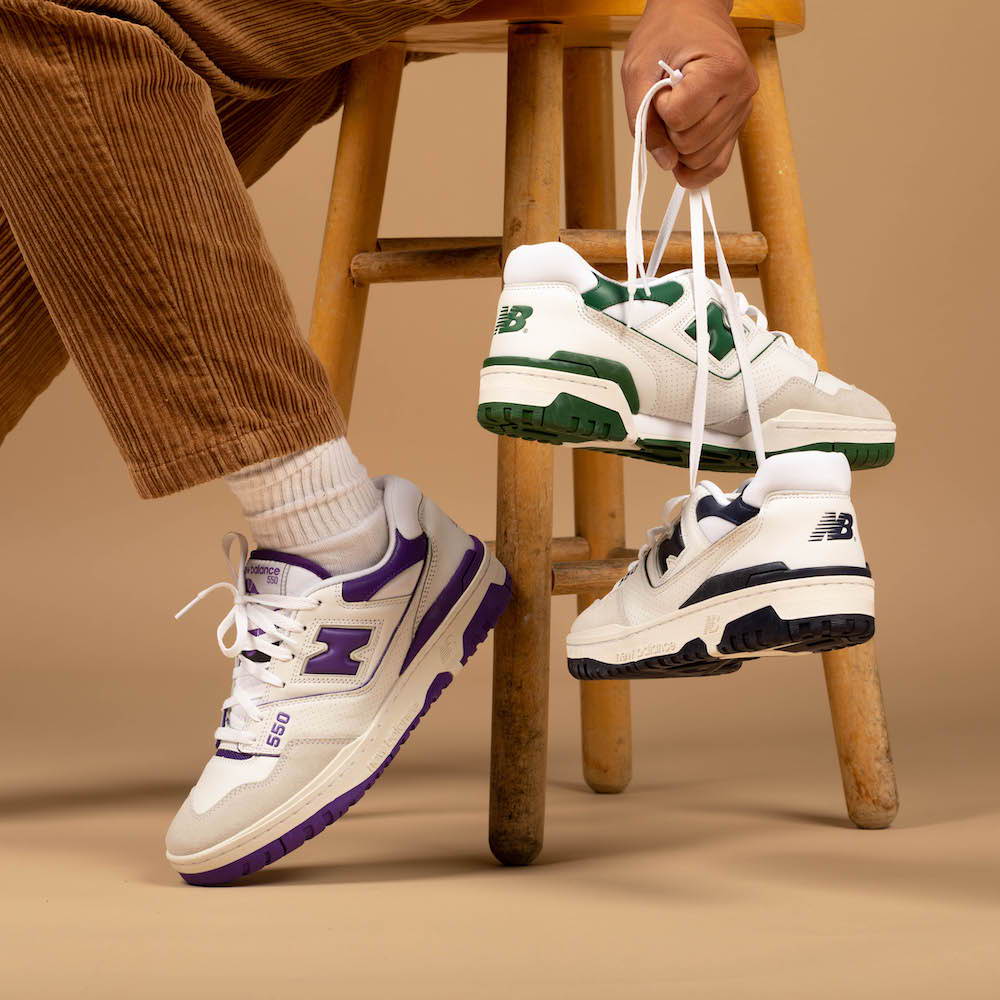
(791, 303)
(353, 215)
(598, 482)
(524, 469)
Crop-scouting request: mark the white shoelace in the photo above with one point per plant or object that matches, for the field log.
(640, 274)
(260, 626)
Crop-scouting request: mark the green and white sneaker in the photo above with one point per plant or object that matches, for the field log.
(565, 368)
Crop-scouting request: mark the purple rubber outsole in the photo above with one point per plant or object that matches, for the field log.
(491, 607)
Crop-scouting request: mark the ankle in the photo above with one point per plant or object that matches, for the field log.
(319, 503)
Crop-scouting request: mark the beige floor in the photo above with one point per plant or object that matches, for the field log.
(727, 871)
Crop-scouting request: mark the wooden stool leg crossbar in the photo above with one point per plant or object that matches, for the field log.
(588, 563)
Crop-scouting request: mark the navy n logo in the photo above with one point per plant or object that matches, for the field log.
(833, 527)
(341, 643)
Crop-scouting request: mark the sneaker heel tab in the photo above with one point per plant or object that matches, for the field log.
(535, 262)
(813, 471)
(403, 501)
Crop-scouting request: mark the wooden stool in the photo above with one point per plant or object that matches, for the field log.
(559, 78)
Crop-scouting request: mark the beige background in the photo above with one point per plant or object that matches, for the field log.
(727, 870)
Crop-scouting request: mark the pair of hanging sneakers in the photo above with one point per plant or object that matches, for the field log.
(683, 370)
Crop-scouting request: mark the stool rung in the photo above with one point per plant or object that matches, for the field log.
(395, 243)
(744, 251)
(427, 264)
(588, 576)
(574, 572)
(437, 258)
(571, 548)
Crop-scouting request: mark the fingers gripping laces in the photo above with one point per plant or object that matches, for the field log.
(640, 273)
(261, 633)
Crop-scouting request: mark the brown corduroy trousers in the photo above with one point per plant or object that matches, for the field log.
(128, 243)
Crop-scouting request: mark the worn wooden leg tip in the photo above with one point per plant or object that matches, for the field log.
(515, 853)
(600, 788)
(874, 818)
(607, 736)
(612, 772)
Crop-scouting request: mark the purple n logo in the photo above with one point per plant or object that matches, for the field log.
(340, 644)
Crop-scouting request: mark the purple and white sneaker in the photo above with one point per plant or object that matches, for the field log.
(331, 676)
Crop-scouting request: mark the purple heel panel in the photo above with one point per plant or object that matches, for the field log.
(406, 552)
(446, 600)
(492, 606)
(319, 820)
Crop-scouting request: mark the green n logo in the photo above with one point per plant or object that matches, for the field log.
(512, 319)
(720, 337)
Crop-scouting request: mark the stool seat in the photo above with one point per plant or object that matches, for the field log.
(483, 27)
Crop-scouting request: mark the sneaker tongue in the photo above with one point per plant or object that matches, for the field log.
(671, 544)
(271, 572)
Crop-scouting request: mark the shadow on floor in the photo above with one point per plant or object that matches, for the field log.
(53, 800)
(934, 877)
(574, 848)
(783, 815)
(394, 870)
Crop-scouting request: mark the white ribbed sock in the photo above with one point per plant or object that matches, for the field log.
(317, 503)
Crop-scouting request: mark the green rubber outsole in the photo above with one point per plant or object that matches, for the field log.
(571, 420)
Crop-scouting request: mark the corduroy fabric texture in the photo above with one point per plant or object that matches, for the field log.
(127, 239)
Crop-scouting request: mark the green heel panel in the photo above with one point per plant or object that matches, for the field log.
(579, 364)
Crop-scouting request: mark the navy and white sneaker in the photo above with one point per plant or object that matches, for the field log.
(775, 568)
(331, 676)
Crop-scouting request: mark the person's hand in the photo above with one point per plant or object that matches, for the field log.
(693, 127)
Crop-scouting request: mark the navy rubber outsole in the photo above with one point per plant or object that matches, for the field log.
(755, 635)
